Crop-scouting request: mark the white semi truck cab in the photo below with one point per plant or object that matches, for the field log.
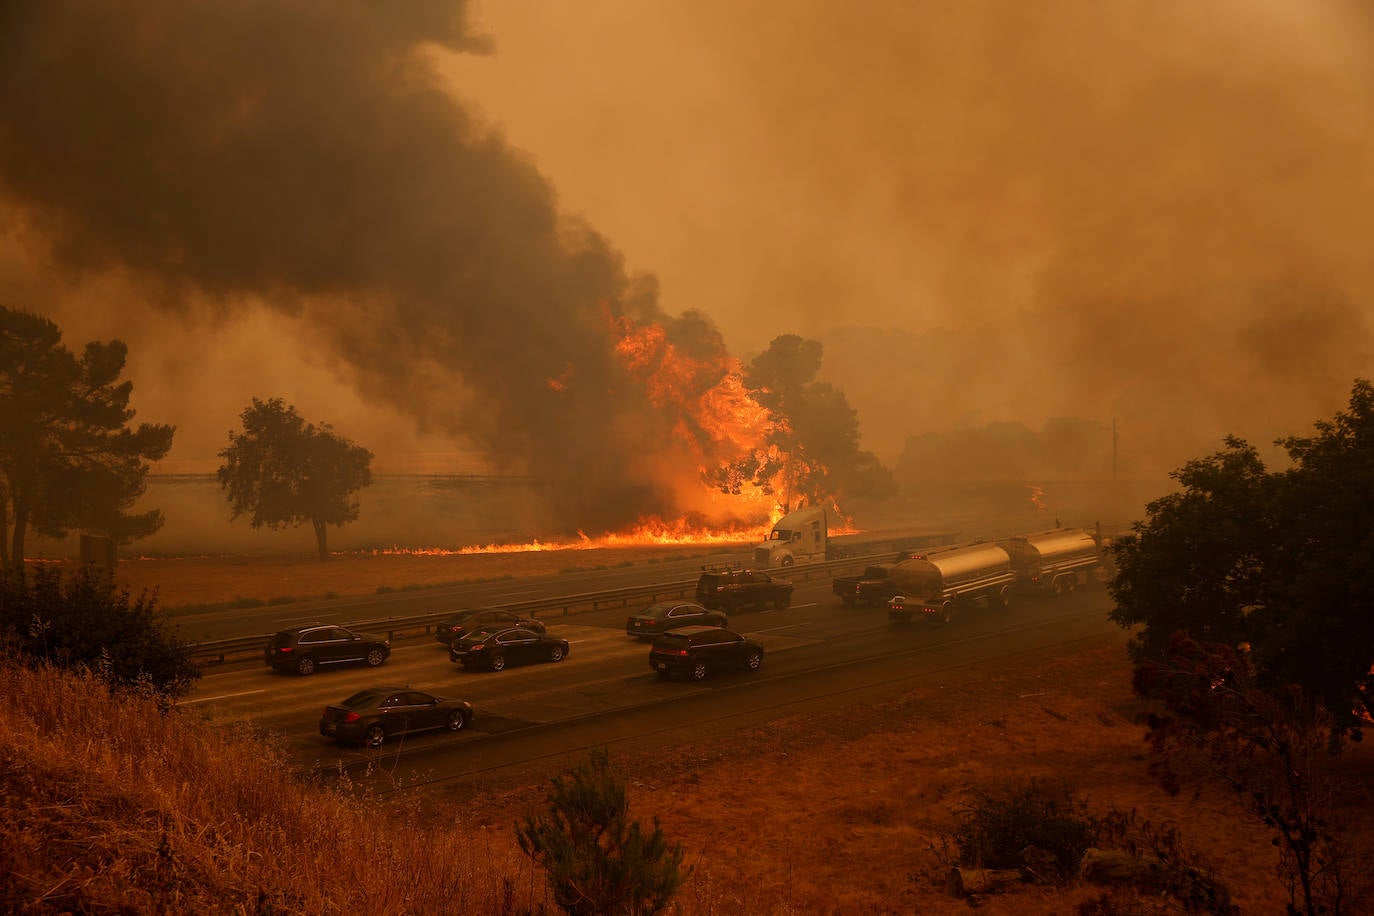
(798, 537)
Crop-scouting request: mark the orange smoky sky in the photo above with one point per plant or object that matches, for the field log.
(408, 221)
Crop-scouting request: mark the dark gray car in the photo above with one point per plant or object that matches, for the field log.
(305, 650)
(697, 651)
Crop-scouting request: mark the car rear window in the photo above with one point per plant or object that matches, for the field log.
(363, 698)
(709, 580)
(283, 638)
(673, 641)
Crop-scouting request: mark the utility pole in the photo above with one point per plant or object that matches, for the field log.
(1113, 448)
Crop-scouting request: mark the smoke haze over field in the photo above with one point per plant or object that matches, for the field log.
(408, 219)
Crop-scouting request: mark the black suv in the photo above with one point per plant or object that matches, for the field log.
(697, 651)
(304, 649)
(735, 589)
(460, 624)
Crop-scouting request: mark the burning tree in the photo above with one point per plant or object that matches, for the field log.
(285, 471)
(813, 449)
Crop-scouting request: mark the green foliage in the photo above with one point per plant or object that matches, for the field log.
(84, 621)
(1282, 562)
(999, 827)
(282, 471)
(597, 860)
(68, 457)
(815, 429)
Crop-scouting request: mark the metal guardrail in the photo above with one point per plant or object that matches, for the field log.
(219, 650)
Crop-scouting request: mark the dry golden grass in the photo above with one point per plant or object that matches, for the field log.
(118, 805)
(843, 811)
(115, 805)
(840, 811)
(183, 581)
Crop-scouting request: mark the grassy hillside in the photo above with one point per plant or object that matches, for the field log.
(120, 805)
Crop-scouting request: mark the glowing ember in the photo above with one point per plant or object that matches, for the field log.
(1037, 498)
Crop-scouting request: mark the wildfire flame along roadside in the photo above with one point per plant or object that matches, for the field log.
(723, 428)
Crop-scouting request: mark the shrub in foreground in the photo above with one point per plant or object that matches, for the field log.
(999, 825)
(597, 860)
(84, 620)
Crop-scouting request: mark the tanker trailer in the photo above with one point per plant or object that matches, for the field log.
(931, 584)
(1055, 561)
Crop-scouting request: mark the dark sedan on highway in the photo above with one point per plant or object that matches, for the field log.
(370, 717)
(662, 616)
(305, 649)
(697, 651)
(464, 622)
(495, 649)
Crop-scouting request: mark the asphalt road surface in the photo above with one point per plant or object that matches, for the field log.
(818, 653)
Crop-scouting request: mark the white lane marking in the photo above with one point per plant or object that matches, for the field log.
(222, 696)
(790, 626)
(527, 591)
(794, 607)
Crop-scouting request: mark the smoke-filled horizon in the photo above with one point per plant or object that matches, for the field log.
(420, 222)
(302, 156)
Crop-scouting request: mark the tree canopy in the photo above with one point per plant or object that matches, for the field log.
(815, 428)
(68, 457)
(282, 471)
(1278, 562)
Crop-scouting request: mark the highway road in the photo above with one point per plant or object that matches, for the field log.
(234, 622)
(817, 652)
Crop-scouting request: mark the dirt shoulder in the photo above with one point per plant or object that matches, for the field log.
(846, 809)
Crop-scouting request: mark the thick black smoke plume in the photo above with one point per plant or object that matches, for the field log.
(304, 154)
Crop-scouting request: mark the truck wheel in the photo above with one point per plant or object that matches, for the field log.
(848, 600)
(786, 562)
(946, 614)
(1001, 598)
(782, 602)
